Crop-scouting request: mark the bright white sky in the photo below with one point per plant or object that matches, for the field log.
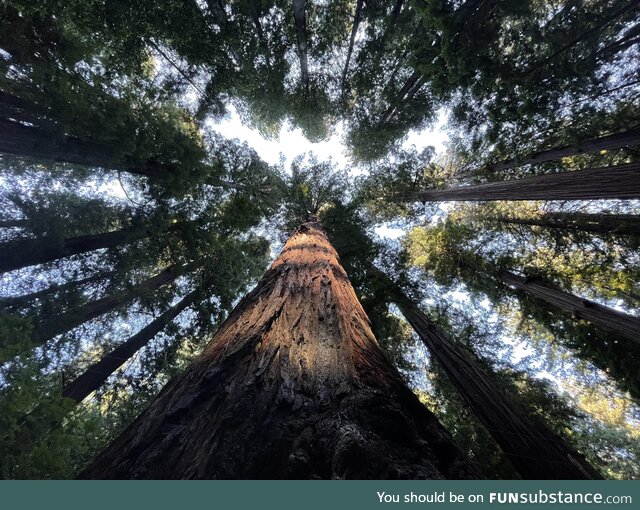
(292, 142)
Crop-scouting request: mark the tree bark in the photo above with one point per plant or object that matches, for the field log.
(620, 181)
(26, 299)
(96, 375)
(41, 144)
(293, 385)
(535, 451)
(619, 224)
(615, 141)
(299, 17)
(50, 327)
(352, 39)
(408, 90)
(30, 252)
(607, 318)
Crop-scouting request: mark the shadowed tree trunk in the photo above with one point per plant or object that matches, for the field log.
(96, 375)
(607, 318)
(621, 224)
(54, 326)
(30, 252)
(293, 385)
(408, 90)
(534, 450)
(26, 299)
(352, 39)
(299, 17)
(620, 181)
(615, 141)
(40, 144)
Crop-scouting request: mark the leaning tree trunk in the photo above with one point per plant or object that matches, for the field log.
(628, 326)
(30, 252)
(534, 450)
(615, 141)
(617, 224)
(620, 181)
(26, 300)
(43, 145)
(293, 385)
(408, 90)
(96, 375)
(299, 17)
(50, 327)
(352, 39)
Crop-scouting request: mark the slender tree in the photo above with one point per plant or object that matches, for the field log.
(299, 16)
(620, 181)
(617, 224)
(535, 451)
(96, 375)
(293, 385)
(614, 141)
(49, 327)
(626, 325)
(21, 253)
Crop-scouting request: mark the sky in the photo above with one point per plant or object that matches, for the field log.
(291, 142)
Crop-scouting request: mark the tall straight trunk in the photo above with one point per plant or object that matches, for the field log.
(621, 224)
(615, 141)
(620, 181)
(53, 326)
(607, 318)
(293, 385)
(411, 86)
(37, 143)
(96, 375)
(534, 450)
(352, 39)
(26, 299)
(300, 20)
(30, 252)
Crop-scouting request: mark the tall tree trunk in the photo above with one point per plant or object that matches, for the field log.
(41, 144)
(411, 86)
(96, 375)
(299, 17)
(50, 327)
(30, 252)
(534, 450)
(26, 299)
(615, 141)
(293, 385)
(607, 318)
(620, 224)
(352, 39)
(620, 181)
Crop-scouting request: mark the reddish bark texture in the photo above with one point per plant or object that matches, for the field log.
(293, 385)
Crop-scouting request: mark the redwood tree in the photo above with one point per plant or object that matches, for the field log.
(534, 450)
(293, 385)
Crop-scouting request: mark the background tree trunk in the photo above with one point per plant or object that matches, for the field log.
(621, 224)
(607, 318)
(301, 33)
(533, 449)
(620, 181)
(614, 141)
(54, 326)
(30, 252)
(96, 375)
(293, 385)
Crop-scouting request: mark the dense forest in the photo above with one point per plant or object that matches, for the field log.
(454, 293)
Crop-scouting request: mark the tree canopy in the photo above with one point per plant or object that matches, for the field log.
(132, 221)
